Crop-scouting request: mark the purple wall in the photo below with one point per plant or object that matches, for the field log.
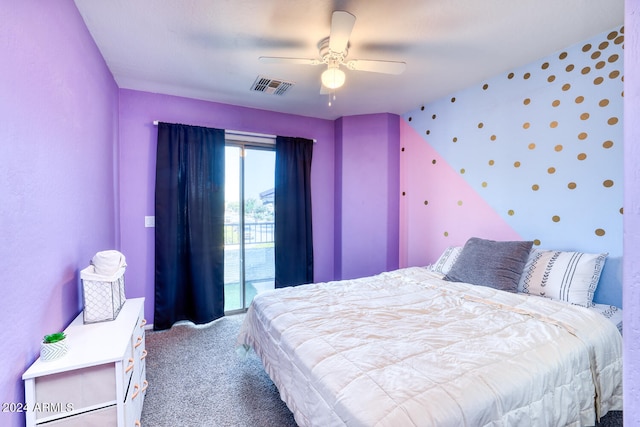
(137, 148)
(367, 180)
(59, 106)
(631, 266)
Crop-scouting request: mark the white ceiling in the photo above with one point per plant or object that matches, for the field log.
(209, 49)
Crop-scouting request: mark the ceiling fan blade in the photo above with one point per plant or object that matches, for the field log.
(283, 60)
(341, 25)
(386, 67)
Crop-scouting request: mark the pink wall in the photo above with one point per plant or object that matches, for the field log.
(138, 136)
(57, 201)
(631, 266)
(367, 185)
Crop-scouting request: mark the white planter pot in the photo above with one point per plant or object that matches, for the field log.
(52, 351)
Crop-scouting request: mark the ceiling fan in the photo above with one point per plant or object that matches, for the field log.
(333, 53)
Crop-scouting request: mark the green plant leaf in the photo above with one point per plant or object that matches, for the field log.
(51, 338)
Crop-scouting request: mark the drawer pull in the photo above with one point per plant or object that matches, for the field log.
(144, 354)
(135, 393)
(138, 342)
(145, 385)
(130, 367)
(144, 322)
(137, 423)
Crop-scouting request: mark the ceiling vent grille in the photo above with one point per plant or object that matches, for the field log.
(271, 86)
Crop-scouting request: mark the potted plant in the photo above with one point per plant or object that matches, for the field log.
(53, 346)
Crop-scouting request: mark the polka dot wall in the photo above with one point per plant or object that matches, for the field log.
(541, 145)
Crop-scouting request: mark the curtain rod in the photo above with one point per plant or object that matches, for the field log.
(241, 133)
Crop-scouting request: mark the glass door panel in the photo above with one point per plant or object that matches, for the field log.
(249, 224)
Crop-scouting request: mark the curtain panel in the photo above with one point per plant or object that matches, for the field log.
(189, 211)
(293, 230)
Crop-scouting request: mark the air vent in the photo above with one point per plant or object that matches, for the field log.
(271, 86)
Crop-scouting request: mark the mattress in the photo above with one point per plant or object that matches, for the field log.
(406, 348)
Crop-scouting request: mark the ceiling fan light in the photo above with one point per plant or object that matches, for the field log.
(333, 78)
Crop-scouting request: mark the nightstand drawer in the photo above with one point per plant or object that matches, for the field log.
(105, 417)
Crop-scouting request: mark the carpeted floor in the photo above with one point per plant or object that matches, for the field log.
(197, 379)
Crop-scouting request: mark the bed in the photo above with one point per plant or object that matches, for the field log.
(412, 347)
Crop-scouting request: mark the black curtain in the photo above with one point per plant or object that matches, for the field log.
(189, 210)
(293, 233)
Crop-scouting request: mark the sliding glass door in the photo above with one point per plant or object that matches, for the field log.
(249, 223)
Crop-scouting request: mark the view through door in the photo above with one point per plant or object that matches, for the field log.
(248, 224)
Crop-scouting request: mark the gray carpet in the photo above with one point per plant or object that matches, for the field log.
(197, 379)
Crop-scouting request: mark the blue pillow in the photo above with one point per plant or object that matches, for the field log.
(491, 263)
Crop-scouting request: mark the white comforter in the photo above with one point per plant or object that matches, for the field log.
(406, 348)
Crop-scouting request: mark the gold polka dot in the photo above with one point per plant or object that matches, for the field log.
(446, 234)
(558, 148)
(545, 66)
(526, 101)
(555, 103)
(526, 125)
(566, 87)
(614, 74)
(422, 108)
(600, 64)
(459, 202)
(599, 232)
(563, 55)
(428, 132)
(516, 164)
(551, 170)
(603, 45)
(493, 137)
(484, 184)
(551, 78)
(480, 125)
(572, 186)
(433, 117)
(553, 124)
(607, 183)
(619, 39)
(621, 211)
(603, 102)
(453, 99)
(455, 139)
(555, 218)
(532, 146)
(510, 76)
(596, 54)
(570, 68)
(433, 162)
(526, 76)
(612, 121)
(426, 202)
(613, 58)
(485, 86)
(584, 116)
(582, 156)
(582, 135)
(491, 162)
(579, 99)
(536, 242)
(612, 35)
(622, 29)
(462, 171)
(535, 187)
(510, 212)
(598, 80)
(586, 70)
(586, 47)
(607, 144)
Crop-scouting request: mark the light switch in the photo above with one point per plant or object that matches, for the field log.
(149, 221)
